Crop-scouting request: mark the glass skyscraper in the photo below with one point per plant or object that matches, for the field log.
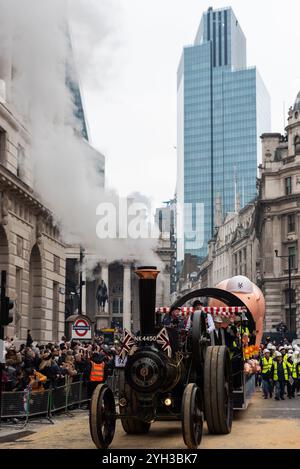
(223, 108)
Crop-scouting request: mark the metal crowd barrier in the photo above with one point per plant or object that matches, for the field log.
(44, 402)
(14, 404)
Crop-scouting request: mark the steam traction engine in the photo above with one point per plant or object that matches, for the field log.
(170, 374)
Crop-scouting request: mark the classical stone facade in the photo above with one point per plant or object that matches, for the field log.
(279, 210)
(232, 251)
(121, 309)
(166, 250)
(246, 242)
(31, 250)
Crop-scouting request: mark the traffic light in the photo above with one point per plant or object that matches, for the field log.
(6, 304)
(6, 316)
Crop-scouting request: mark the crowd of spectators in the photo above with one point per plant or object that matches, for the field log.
(53, 364)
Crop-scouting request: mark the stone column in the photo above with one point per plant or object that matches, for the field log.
(127, 296)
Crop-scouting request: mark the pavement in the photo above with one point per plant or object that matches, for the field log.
(266, 424)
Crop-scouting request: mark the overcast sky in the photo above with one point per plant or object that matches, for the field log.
(131, 103)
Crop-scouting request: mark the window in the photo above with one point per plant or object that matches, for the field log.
(235, 264)
(292, 256)
(297, 145)
(287, 297)
(288, 186)
(20, 162)
(2, 144)
(19, 246)
(291, 223)
(291, 320)
(160, 220)
(117, 306)
(56, 264)
(117, 288)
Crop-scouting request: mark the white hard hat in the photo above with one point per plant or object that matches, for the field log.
(286, 346)
(273, 347)
(297, 352)
(280, 348)
(269, 346)
(266, 350)
(278, 354)
(290, 347)
(239, 284)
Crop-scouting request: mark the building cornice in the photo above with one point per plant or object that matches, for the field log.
(267, 172)
(279, 200)
(15, 123)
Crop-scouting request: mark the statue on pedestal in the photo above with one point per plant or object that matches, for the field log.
(101, 295)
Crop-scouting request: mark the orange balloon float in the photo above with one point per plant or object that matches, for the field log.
(251, 296)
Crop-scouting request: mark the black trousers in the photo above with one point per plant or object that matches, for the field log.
(279, 389)
(290, 389)
(91, 386)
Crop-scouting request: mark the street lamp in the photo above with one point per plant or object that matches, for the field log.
(290, 284)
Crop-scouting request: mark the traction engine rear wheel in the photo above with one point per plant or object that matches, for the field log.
(218, 397)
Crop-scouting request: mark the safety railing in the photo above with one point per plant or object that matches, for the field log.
(43, 402)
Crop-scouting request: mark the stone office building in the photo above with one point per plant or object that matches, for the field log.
(31, 250)
(279, 210)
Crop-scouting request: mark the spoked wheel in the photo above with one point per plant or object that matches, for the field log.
(131, 424)
(218, 397)
(102, 416)
(192, 416)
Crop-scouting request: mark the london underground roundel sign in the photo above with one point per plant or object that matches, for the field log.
(81, 329)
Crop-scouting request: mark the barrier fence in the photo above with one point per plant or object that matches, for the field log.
(45, 402)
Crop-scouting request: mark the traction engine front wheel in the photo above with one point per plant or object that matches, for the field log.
(102, 416)
(192, 416)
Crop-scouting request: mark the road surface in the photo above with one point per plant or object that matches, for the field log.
(265, 424)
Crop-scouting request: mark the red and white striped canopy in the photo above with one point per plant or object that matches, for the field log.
(223, 311)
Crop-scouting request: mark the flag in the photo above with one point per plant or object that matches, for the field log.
(127, 344)
(163, 339)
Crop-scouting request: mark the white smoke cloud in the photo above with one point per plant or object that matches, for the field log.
(63, 164)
